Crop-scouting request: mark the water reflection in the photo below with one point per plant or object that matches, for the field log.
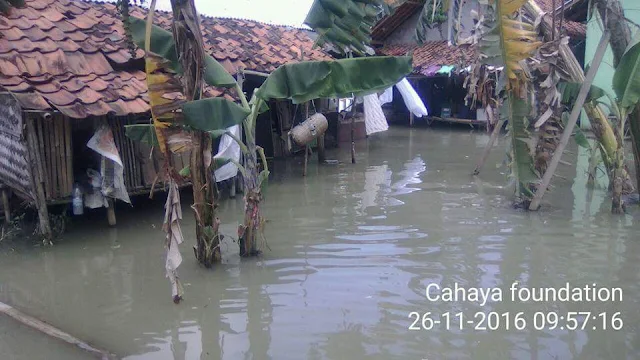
(353, 248)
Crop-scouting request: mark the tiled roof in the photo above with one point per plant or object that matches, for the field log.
(432, 54)
(71, 55)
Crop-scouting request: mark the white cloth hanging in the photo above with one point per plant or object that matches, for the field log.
(411, 98)
(228, 149)
(387, 96)
(374, 119)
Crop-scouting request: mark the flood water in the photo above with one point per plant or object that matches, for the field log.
(353, 248)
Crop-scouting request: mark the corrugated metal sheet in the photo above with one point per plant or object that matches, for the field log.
(14, 167)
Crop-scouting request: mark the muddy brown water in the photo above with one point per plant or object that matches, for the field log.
(353, 248)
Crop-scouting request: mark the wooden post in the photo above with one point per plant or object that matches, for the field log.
(411, 117)
(487, 149)
(306, 147)
(5, 203)
(37, 180)
(111, 212)
(53, 332)
(573, 118)
(238, 181)
(353, 130)
(321, 154)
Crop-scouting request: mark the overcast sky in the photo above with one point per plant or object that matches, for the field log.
(283, 12)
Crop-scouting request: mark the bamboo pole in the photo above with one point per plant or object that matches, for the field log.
(573, 118)
(46, 159)
(36, 176)
(61, 170)
(306, 147)
(39, 126)
(51, 160)
(353, 130)
(52, 331)
(487, 149)
(68, 153)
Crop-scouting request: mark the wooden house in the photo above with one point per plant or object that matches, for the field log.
(66, 68)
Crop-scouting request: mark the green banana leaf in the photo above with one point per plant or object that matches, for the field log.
(310, 80)
(6, 5)
(145, 133)
(345, 23)
(213, 114)
(569, 92)
(162, 43)
(626, 79)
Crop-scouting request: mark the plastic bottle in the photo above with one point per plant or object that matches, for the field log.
(77, 201)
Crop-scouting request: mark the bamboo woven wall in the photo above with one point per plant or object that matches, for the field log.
(14, 164)
(55, 147)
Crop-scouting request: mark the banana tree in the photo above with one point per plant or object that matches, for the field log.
(179, 124)
(626, 84)
(299, 82)
(507, 42)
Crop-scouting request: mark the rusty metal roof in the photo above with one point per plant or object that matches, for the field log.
(71, 55)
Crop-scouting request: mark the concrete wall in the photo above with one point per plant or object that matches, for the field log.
(604, 76)
(405, 33)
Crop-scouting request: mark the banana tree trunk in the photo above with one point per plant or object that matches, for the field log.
(190, 48)
(600, 125)
(612, 14)
(249, 232)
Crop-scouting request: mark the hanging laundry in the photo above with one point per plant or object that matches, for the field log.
(228, 149)
(446, 70)
(374, 119)
(411, 98)
(387, 96)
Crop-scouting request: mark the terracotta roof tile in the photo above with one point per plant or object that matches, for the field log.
(72, 55)
(435, 53)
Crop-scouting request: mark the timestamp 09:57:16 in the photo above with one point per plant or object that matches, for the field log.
(481, 321)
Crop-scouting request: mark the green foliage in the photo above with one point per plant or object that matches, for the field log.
(6, 5)
(213, 114)
(569, 92)
(144, 133)
(433, 13)
(162, 43)
(310, 80)
(345, 23)
(626, 79)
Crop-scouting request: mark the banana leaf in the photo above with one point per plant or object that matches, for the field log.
(626, 79)
(345, 23)
(310, 80)
(213, 114)
(163, 45)
(569, 92)
(6, 5)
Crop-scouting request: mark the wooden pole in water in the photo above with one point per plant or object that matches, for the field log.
(573, 118)
(37, 181)
(52, 331)
(487, 149)
(306, 147)
(353, 130)
(5, 203)
(111, 212)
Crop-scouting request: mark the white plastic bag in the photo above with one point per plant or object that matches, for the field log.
(387, 96)
(228, 149)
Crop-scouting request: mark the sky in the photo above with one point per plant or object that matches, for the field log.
(281, 12)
